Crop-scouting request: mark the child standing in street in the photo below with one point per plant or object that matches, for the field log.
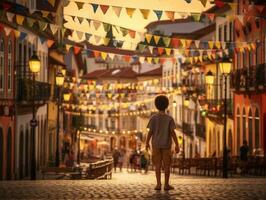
(161, 131)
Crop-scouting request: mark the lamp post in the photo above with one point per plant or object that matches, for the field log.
(225, 69)
(35, 65)
(59, 80)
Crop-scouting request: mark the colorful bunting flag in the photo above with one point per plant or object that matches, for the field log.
(106, 27)
(117, 10)
(145, 13)
(141, 47)
(7, 30)
(50, 43)
(168, 51)
(106, 41)
(95, 7)
(10, 16)
(160, 50)
(175, 42)
(158, 14)
(148, 37)
(130, 11)
(53, 28)
(20, 19)
(197, 43)
(156, 38)
(196, 16)
(80, 5)
(211, 44)
(96, 24)
(79, 34)
(103, 55)
(22, 36)
(166, 41)
(42, 25)
(52, 2)
(203, 2)
(132, 33)
(104, 8)
(123, 31)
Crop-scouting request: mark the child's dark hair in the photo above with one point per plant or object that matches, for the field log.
(161, 102)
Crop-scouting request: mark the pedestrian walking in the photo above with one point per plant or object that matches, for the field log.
(161, 131)
(244, 149)
(116, 155)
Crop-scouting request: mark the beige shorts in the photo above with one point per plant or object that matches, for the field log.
(160, 156)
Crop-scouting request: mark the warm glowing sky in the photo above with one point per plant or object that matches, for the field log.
(135, 23)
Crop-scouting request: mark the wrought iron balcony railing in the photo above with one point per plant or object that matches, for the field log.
(25, 91)
(249, 79)
(215, 108)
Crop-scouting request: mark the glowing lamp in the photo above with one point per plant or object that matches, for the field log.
(59, 79)
(209, 77)
(225, 66)
(186, 102)
(174, 104)
(34, 63)
(67, 96)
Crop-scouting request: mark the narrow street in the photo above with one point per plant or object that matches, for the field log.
(136, 186)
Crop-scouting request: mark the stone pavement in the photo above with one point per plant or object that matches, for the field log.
(137, 186)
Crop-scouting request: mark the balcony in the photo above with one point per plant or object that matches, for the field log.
(201, 131)
(249, 79)
(215, 108)
(192, 87)
(25, 91)
(187, 128)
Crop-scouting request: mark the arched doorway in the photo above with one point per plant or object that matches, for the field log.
(1, 153)
(244, 137)
(9, 155)
(21, 154)
(250, 129)
(210, 143)
(238, 129)
(122, 142)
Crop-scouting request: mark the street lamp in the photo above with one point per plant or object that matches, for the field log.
(59, 80)
(35, 65)
(225, 69)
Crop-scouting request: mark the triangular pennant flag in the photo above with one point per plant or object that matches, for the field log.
(130, 11)
(31, 38)
(156, 60)
(95, 7)
(52, 2)
(106, 41)
(132, 33)
(7, 30)
(196, 16)
(183, 15)
(111, 55)
(42, 39)
(183, 42)
(188, 43)
(10, 16)
(103, 55)
(168, 51)
(104, 8)
(68, 46)
(197, 43)
(203, 2)
(30, 21)
(16, 33)
(117, 10)
(6, 6)
(259, 8)
(218, 44)
(156, 38)
(80, 19)
(76, 49)
(20, 19)
(42, 25)
(141, 60)
(106, 27)
(148, 37)
(170, 15)
(211, 44)
(97, 39)
(79, 34)
(96, 24)
(145, 13)
(233, 6)
(50, 43)
(149, 60)
(162, 60)
(80, 5)
(141, 47)
(158, 13)
(223, 44)
(22, 36)
(151, 49)
(166, 41)
(127, 58)
(96, 54)
(175, 42)
(160, 50)
(226, 51)
(219, 3)
(123, 31)
(210, 16)
(53, 28)
(87, 36)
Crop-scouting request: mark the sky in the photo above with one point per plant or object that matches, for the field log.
(137, 22)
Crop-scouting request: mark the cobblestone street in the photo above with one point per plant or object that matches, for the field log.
(136, 186)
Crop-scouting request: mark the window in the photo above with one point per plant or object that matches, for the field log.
(2, 64)
(244, 123)
(9, 67)
(238, 128)
(231, 33)
(257, 129)
(225, 32)
(250, 130)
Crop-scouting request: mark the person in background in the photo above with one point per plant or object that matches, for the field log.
(244, 149)
(161, 131)
(116, 155)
